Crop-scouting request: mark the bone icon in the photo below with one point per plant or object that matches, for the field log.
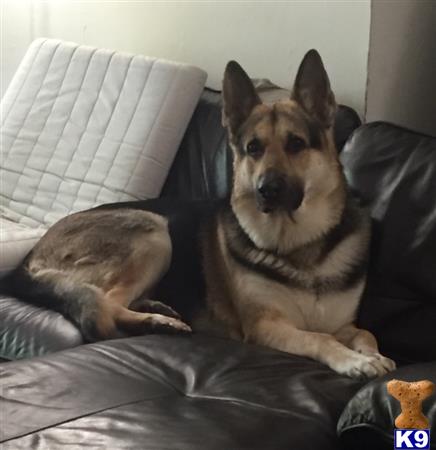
(411, 396)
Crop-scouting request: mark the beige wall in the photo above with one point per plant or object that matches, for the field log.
(268, 38)
(402, 64)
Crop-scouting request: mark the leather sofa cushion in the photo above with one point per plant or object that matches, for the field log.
(368, 420)
(161, 392)
(394, 171)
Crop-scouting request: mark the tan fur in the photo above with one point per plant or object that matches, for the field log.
(118, 255)
(260, 309)
(287, 288)
(324, 187)
(222, 317)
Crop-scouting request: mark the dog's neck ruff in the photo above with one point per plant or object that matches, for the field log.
(331, 236)
(296, 268)
(281, 234)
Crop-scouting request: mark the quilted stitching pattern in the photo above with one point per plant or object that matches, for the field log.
(84, 126)
(16, 240)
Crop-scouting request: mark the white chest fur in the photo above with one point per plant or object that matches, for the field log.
(305, 308)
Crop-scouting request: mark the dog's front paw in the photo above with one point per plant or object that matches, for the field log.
(365, 366)
(387, 363)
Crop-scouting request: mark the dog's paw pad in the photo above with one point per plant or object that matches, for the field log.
(387, 363)
(155, 307)
(163, 324)
(165, 310)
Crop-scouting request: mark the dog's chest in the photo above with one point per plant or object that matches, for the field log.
(304, 308)
(327, 312)
(310, 292)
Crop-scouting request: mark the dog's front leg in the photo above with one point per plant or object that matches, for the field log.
(283, 335)
(362, 341)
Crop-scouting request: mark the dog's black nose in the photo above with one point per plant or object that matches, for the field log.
(276, 190)
(271, 185)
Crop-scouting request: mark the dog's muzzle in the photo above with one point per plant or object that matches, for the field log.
(275, 190)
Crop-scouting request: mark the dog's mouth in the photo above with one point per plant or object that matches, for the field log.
(266, 207)
(287, 203)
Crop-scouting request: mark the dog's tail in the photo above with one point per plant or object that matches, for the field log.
(80, 303)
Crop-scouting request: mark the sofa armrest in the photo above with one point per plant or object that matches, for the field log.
(27, 330)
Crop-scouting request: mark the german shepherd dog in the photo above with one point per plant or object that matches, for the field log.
(283, 260)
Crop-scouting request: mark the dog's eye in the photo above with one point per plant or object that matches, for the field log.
(295, 144)
(254, 148)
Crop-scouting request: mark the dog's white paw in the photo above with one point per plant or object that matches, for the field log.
(365, 366)
(387, 363)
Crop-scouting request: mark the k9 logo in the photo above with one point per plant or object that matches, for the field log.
(412, 439)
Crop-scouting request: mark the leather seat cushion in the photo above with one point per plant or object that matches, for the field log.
(161, 392)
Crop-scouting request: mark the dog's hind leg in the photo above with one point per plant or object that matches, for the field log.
(83, 303)
(99, 314)
(146, 305)
(98, 268)
(149, 316)
(137, 323)
(135, 313)
(135, 285)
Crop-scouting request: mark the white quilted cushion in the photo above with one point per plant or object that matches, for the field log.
(16, 240)
(84, 126)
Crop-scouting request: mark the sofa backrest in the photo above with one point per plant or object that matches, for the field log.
(394, 171)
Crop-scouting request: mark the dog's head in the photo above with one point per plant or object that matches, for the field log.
(284, 153)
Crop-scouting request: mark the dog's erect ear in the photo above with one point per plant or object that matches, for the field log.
(239, 96)
(312, 89)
